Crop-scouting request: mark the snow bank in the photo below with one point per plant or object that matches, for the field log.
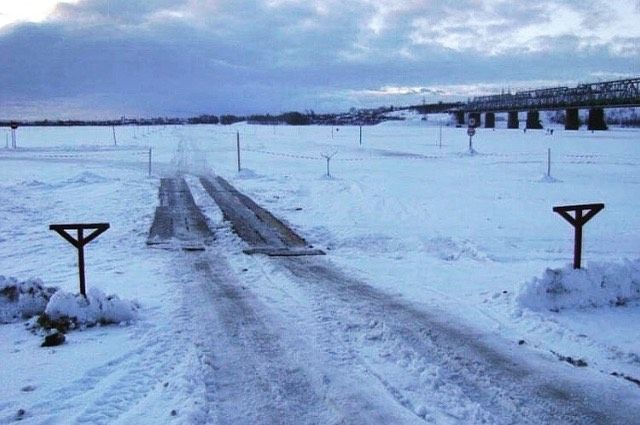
(24, 299)
(601, 284)
(21, 300)
(96, 308)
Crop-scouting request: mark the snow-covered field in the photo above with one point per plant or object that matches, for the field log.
(412, 214)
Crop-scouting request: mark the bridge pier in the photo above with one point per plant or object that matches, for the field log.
(489, 120)
(476, 117)
(513, 120)
(533, 120)
(571, 119)
(596, 119)
(459, 118)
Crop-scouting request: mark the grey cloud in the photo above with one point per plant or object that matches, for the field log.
(243, 56)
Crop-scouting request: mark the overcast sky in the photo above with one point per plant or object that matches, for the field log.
(107, 58)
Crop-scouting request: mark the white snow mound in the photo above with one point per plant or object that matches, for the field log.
(599, 285)
(96, 308)
(22, 299)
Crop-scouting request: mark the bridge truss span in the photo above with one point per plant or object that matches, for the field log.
(608, 94)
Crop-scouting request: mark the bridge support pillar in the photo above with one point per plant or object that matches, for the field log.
(571, 119)
(459, 118)
(596, 119)
(489, 120)
(475, 116)
(533, 120)
(513, 120)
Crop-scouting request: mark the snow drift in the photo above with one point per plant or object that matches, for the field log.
(25, 299)
(22, 299)
(95, 308)
(601, 284)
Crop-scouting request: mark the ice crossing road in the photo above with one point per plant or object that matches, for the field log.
(264, 233)
(177, 218)
(296, 340)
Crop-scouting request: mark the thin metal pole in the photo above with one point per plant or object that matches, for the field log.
(13, 138)
(328, 174)
(113, 129)
(549, 162)
(470, 144)
(238, 148)
(440, 136)
(149, 162)
(360, 135)
(81, 262)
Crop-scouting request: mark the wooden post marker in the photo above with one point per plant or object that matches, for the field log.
(80, 242)
(577, 221)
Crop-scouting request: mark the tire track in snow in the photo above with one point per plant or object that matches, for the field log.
(414, 354)
(250, 380)
(420, 356)
(110, 390)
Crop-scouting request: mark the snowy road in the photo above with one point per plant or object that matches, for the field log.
(414, 315)
(315, 345)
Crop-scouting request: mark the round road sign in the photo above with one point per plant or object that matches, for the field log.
(472, 122)
(471, 131)
(14, 125)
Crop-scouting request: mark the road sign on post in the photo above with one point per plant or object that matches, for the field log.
(577, 221)
(80, 242)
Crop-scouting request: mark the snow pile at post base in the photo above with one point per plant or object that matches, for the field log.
(601, 284)
(96, 308)
(22, 299)
(25, 299)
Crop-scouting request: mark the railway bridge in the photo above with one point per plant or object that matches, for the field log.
(595, 97)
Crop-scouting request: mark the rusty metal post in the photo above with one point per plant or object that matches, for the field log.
(577, 222)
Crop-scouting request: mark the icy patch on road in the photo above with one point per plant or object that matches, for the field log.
(599, 285)
(95, 308)
(22, 299)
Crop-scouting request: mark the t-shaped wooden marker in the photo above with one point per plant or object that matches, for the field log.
(80, 242)
(577, 222)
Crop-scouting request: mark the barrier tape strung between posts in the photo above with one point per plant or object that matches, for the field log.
(26, 154)
(390, 155)
(570, 158)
